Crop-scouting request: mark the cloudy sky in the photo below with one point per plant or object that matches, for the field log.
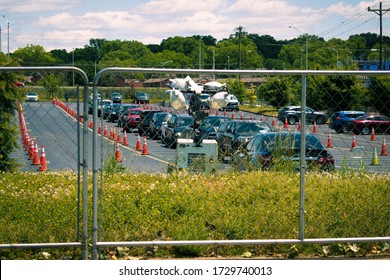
(68, 24)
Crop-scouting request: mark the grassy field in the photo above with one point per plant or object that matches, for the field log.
(42, 207)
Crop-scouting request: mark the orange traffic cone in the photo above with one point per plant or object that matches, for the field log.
(31, 150)
(125, 141)
(217, 112)
(118, 153)
(138, 145)
(273, 121)
(315, 127)
(330, 143)
(299, 127)
(114, 134)
(111, 133)
(119, 137)
(353, 142)
(285, 123)
(373, 138)
(233, 114)
(36, 156)
(105, 133)
(224, 113)
(384, 149)
(43, 165)
(145, 147)
(100, 129)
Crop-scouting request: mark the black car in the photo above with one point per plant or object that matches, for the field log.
(207, 129)
(155, 125)
(141, 98)
(116, 97)
(113, 112)
(144, 124)
(176, 124)
(293, 114)
(282, 150)
(235, 133)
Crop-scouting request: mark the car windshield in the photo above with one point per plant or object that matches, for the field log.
(213, 122)
(272, 142)
(183, 121)
(251, 127)
(360, 117)
(160, 117)
(135, 112)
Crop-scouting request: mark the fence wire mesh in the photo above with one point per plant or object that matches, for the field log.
(155, 198)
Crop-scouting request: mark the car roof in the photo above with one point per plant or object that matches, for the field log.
(350, 112)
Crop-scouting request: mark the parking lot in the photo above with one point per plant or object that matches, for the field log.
(55, 126)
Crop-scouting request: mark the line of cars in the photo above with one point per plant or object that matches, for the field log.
(358, 122)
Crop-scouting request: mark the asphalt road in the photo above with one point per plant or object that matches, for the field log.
(57, 131)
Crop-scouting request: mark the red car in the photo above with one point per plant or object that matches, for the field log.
(132, 119)
(365, 124)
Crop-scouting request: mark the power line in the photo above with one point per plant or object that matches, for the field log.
(379, 12)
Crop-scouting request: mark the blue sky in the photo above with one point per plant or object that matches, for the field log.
(68, 24)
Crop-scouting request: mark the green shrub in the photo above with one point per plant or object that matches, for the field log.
(42, 207)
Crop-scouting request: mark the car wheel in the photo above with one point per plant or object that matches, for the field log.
(366, 130)
(292, 120)
(345, 129)
(320, 120)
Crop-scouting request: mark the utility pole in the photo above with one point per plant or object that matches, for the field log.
(239, 47)
(379, 12)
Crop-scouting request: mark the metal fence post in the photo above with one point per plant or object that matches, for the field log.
(302, 161)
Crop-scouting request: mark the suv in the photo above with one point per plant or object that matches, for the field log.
(233, 103)
(232, 135)
(141, 98)
(116, 97)
(175, 125)
(293, 115)
(339, 120)
(90, 102)
(144, 124)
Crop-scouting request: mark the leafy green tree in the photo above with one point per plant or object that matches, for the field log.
(8, 126)
(51, 83)
(237, 88)
(33, 55)
(380, 94)
(277, 91)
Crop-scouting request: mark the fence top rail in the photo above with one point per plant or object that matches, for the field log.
(46, 68)
(237, 72)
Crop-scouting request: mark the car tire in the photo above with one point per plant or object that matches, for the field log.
(345, 129)
(291, 120)
(366, 130)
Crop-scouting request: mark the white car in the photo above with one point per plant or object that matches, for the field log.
(32, 96)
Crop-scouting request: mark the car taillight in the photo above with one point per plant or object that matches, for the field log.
(326, 160)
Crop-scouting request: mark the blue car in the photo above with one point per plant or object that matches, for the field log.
(339, 120)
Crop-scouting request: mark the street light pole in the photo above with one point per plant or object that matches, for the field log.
(7, 35)
(307, 45)
(213, 62)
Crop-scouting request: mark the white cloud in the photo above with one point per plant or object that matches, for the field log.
(75, 21)
(33, 6)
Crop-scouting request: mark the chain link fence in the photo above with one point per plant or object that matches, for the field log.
(176, 190)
